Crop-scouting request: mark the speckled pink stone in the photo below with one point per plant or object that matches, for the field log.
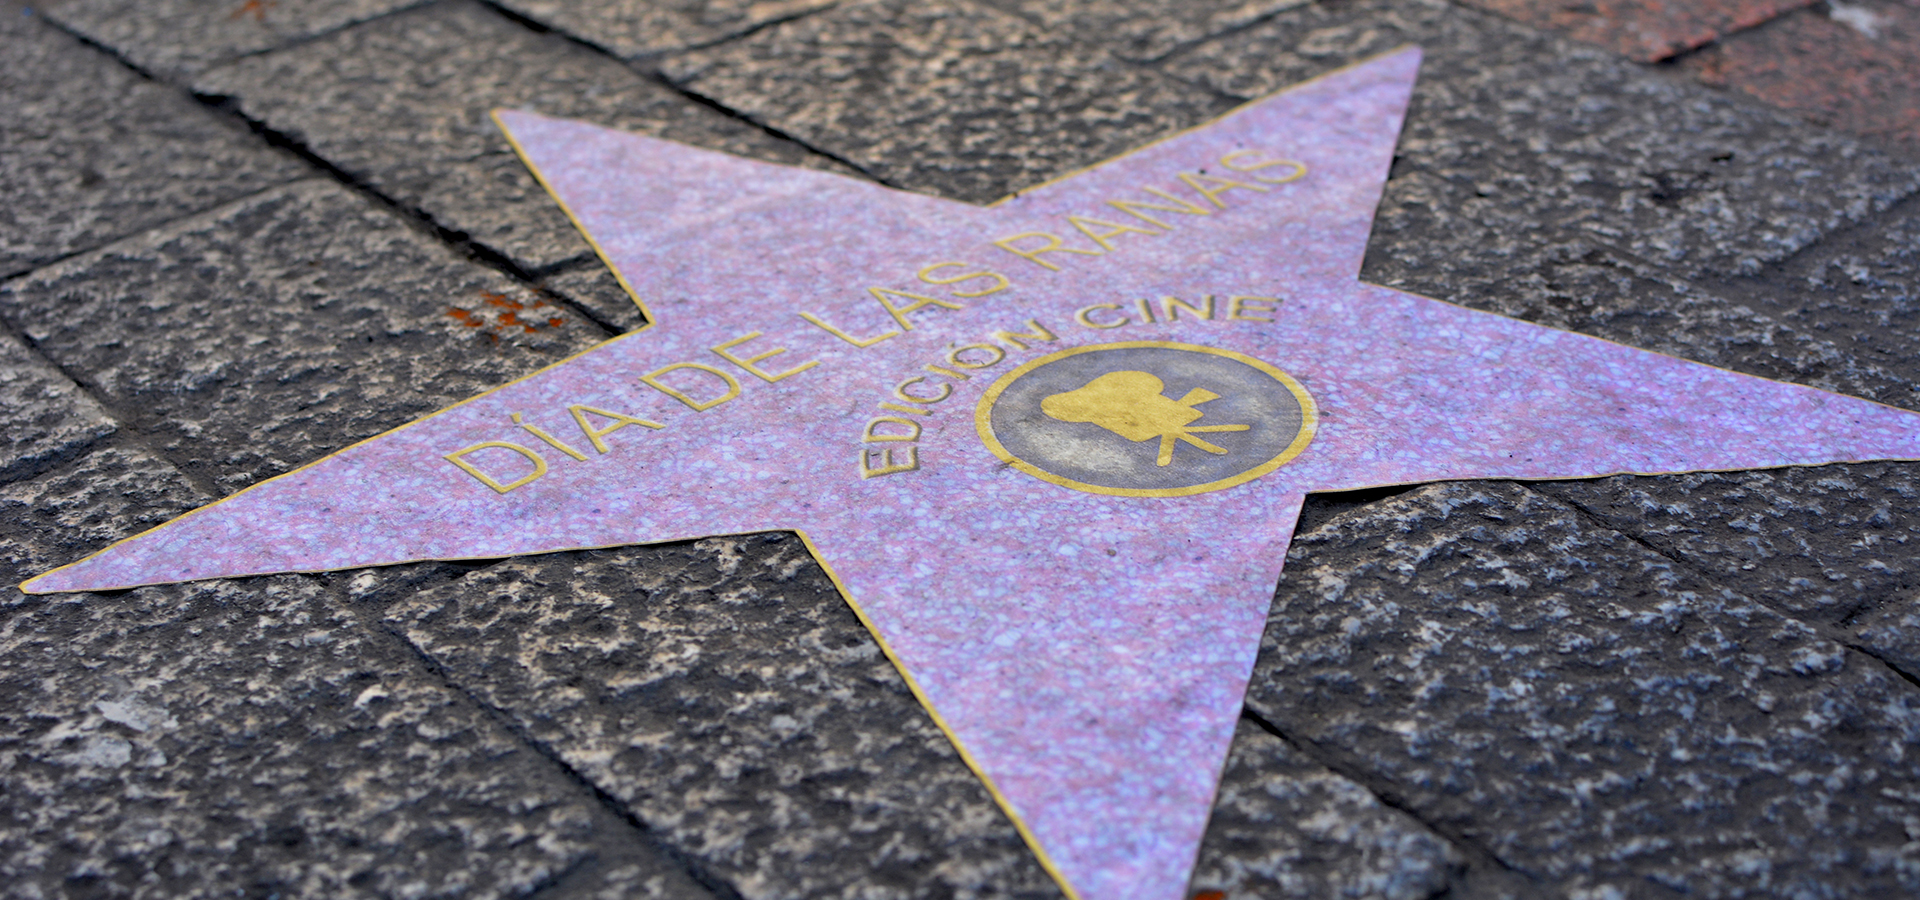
(1088, 652)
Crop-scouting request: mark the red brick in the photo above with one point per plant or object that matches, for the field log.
(1645, 30)
(1855, 68)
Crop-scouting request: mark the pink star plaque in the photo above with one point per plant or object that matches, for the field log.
(1051, 450)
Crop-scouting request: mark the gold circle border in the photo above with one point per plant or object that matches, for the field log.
(1309, 423)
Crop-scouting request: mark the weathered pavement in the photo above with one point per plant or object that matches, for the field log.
(235, 236)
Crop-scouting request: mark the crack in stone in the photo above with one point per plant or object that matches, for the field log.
(645, 835)
(1477, 855)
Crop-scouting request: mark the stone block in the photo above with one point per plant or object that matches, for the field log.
(638, 29)
(62, 515)
(267, 333)
(250, 736)
(1850, 66)
(950, 98)
(1144, 30)
(1833, 544)
(1823, 543)
(48, 416)
(175, 38)
(1517, 142)
(591, 284)
(90, 151)
(1285, 826)
(1862, 285)
(725, 695)
(254, 735)
(1644, 30)
(1597, 718)
(402, 105)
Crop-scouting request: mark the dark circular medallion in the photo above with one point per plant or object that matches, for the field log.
(1146, 418)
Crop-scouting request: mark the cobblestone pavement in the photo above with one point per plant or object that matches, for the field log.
(235, 236)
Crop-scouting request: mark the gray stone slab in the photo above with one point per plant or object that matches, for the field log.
(1516, 140)
(1835, 544)
(1862, 286)
(267, 333)
(591, 284)
(48, 416)
(62, 515)
(255, 737)
(402, 105)
(90, 151)
(1145, 30)
(1285, 826)
(637, 29)
(248, 737)
(1597, 718)
(728, 697)
(175, 38)
(950, 98)
(1828, 544)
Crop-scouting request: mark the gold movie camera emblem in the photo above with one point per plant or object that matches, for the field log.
(1105, 418)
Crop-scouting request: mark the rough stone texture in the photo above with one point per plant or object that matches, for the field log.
(277, 329)
(1520, 151)
(1590, 714)
(60, 516)
(90, 151)
(176, 38)
(47, 415)
(1863, 284)
(728, 697)
(1144, 29)
(215, 739)
(1284, 826)
(1853, 66)
(591, 284)
(1831, 544)
(950, 98)
(1645, 30)
(636, 29)
(402, 105)
(253, 737)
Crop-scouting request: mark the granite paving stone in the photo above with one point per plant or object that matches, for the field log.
(950, 98)
(253, 737)
(638, 29)
(1852, 66)
(1285, 826)
(1644, 30)
(728, 697)
(1590, 289)
(402, 105)
(1863, 283)
(589, 283)
(90, 151)
(244, 736)
(1517, 142)
(1145, 30)
(277, 329)
(55, 517)
(1598, 718)
(175, 38)
(1830, 545)
(48, 417)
